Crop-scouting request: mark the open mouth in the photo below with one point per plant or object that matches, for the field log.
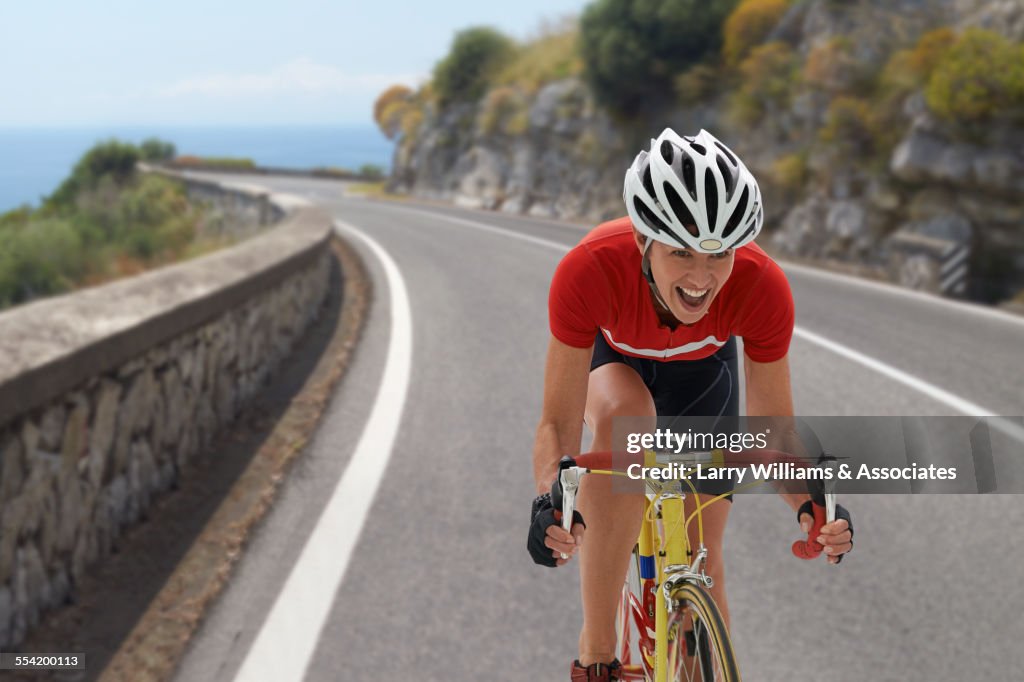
(693, 300)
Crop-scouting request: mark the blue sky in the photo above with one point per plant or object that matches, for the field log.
(113, 62)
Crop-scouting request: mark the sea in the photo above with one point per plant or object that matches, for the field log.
(34, 161)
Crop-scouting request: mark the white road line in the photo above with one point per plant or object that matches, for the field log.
(285, 644)
(932, 391)
(893, 290)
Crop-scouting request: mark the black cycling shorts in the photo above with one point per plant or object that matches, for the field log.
(707, 388)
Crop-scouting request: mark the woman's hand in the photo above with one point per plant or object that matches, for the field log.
(548, 541)
(835, 538)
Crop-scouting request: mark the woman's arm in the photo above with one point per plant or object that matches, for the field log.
(770, 394)
(565, 397)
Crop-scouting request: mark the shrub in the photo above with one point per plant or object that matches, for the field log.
(749, 25)
(498, 109)
(909, 69)
(105, 221)
(980, 77)
(113, 159)
(790, 171)
(40, 259)
(412, 119)
(850, 127)
(697, 83)
(371, 172)
(768, 78)
(387, 109)
(632, 49)
(552, 55)
(155, 149)
(833, 67)
(474, 59)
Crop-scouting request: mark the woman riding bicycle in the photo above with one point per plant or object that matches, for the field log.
(643, 314)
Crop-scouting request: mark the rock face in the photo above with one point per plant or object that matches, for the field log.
(942, 204)
(552, 168)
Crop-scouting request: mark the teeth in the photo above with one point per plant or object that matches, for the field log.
(696, 293)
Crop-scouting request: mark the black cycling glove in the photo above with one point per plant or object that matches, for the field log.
(542, 515)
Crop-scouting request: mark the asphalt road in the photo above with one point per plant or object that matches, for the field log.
(438, 585)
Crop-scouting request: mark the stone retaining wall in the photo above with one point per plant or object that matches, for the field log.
(107, 393)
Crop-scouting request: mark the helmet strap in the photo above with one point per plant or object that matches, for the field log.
(645, 267)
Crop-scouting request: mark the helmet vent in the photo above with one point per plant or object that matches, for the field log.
(690, 176)
(699, 148)
(727, 174)
(667, 152)
(711, 198)
(750, 230)
(737, 215)
(647, 180)
(652, 219)
(728, 154)
(679, 209)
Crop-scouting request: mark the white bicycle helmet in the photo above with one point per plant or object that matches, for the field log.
(693, 192)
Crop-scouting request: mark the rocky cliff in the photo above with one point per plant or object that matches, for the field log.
(879, 182)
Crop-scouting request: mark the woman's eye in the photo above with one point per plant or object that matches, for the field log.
(681, 253)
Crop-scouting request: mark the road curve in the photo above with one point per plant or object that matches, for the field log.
(439, 585)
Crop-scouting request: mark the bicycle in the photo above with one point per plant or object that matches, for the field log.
(680, 631)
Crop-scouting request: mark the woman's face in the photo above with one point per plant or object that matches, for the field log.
(688, 280)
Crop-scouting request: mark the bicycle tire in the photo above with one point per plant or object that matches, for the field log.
(699, 648)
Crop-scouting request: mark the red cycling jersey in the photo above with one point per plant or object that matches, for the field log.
(598, 286)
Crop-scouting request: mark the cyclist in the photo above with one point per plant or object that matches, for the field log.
(644, 312)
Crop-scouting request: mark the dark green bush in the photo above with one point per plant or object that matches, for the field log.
(477, 54)
(113, 159)
(39, 259)
(371, 172)
(633, 49)
(155, 149)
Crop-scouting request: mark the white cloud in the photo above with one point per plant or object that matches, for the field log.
(299, 76)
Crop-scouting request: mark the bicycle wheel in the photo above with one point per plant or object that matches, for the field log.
(699, 649)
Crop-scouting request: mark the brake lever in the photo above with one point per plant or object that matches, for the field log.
(570, 478)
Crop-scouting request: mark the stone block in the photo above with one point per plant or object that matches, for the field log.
(12, 467)
(74, 444)
(6, 612)
(101, 440)
(51, 427)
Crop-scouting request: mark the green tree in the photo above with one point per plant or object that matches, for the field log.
(155, 149)
(477, 54)
(632, 49)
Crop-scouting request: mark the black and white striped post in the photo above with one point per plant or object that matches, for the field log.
(953, 270)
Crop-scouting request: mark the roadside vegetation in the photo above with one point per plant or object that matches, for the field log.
(638, 59)
(104, 221)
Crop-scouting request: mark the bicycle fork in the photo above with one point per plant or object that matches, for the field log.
(676, 564)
